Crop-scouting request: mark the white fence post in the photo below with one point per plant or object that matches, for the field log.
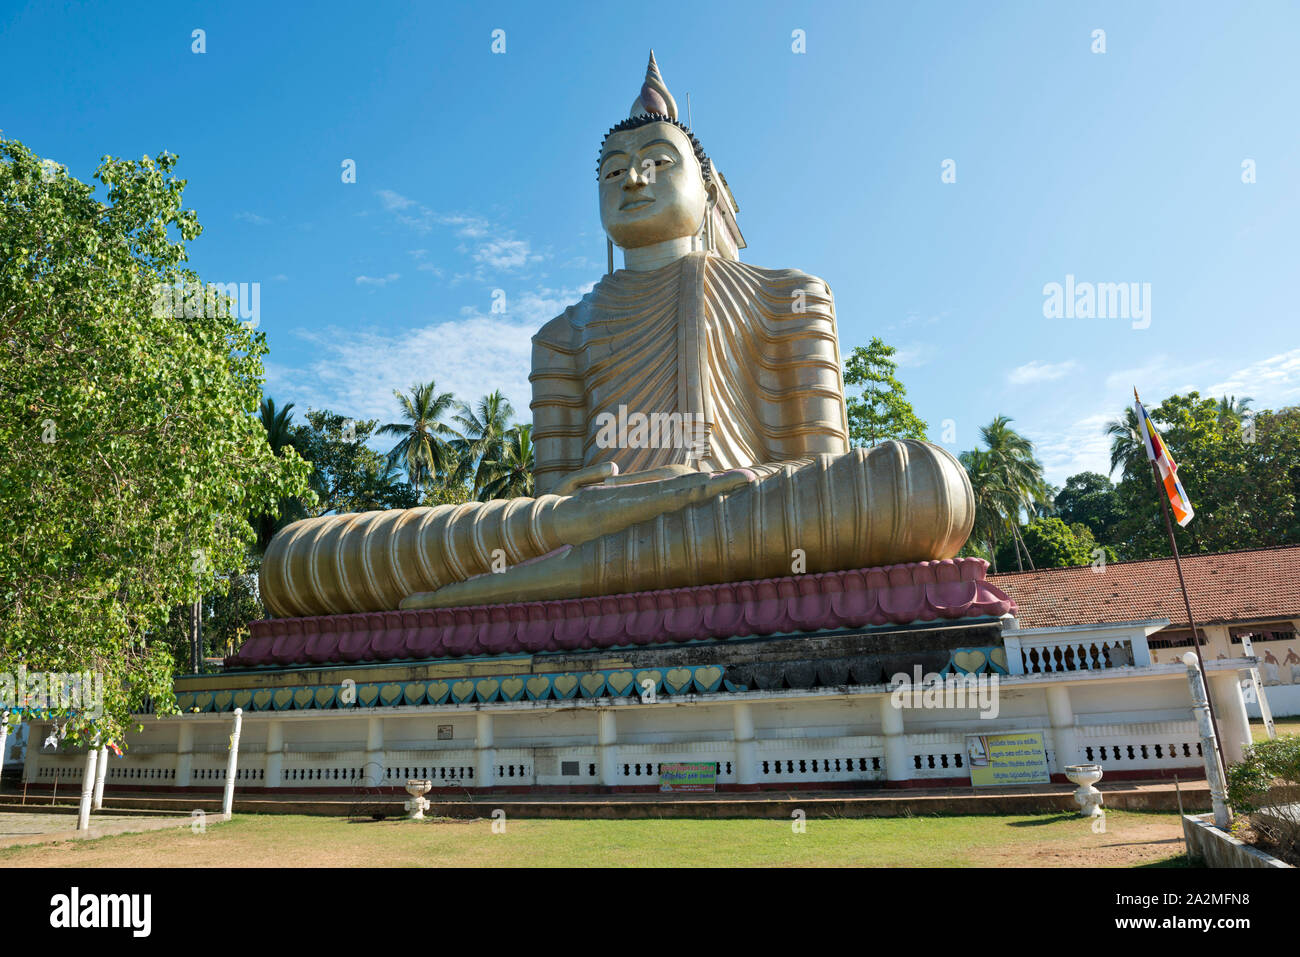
(232, 767)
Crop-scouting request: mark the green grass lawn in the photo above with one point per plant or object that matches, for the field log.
(1131, 839)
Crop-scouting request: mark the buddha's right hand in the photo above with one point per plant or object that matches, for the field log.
(597, 510)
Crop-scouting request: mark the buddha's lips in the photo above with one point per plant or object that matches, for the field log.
(635, 204)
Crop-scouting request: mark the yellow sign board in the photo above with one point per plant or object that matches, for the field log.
(1001, 760)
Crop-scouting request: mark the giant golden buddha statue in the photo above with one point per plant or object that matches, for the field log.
(689, 427)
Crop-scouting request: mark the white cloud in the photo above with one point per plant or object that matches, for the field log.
(491, 246)
(503, 253)
(1080, 446)
(1270, 381)
(380, 281)
(1036, 371)
(355, 372)
(250, 217)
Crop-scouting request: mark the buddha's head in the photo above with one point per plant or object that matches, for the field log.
(655, 181)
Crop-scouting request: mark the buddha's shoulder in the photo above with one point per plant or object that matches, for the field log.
(784, 279)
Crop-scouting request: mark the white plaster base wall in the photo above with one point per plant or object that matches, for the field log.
(1134, 721)
(1283, 701)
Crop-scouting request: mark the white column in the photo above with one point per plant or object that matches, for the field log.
(232, 767)
(87, 789)
(184, 757)
(485, 754)
(1064, 739)
(100, 770)
(607, 738)
(1205, 725)
(1230, 706)
(742, 717)
(375, 752)
(4, 737)
(897, 767)
(35, 738)
(273, 766)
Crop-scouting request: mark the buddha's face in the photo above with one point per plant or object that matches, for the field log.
(651, 186)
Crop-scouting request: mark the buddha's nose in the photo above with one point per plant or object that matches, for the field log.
(633, 180)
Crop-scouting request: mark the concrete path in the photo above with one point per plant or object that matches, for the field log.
(26, 827)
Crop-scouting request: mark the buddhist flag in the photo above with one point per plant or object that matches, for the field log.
(1158, 452)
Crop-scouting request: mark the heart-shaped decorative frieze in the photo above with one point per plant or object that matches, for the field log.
(390, 694)
(620, 682)
(437, 692)
(592, 685)
(538, 686)
(224, 700)
(969, 661)
(512, 688)
(486, 689)
(261, 700)
(244, 699)
(677, 679)
(708, 678)
(650, 675)
(282, 699)
(203, 700)
(999, 657)
(302, 698)
(565, 685)
(185, 702)
(461, 690)
(325, 697)
(414, 692)
(368, 695)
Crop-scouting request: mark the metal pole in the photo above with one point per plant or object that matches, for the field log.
(1209, 747)
(196, 636)
(232, 766)
(87, 787)
(100, 770)
(4, 739)
(1187, 603)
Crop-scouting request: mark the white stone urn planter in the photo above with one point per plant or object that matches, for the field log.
(1087, 797)
(418, 803)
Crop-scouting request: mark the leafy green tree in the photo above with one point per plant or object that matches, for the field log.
(347, 474)
(423, 449)
(226, 615)
(882, 411)
(1244, 485)
(133, 456)
(514, 468)
(1090, 499)
(1051, 543)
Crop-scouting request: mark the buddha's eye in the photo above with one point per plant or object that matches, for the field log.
(615, 173)
(663, 162)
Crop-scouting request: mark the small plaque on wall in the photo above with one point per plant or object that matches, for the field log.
(444, 732)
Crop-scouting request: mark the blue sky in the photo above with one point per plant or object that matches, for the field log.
(475, 172)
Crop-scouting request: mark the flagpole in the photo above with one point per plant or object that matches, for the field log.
(1187, 604)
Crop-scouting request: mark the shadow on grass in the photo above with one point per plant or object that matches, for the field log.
(1054, 819)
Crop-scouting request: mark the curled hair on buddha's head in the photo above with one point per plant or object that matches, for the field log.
(645, 119)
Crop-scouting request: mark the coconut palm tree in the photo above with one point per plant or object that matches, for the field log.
(1127, 449)
(1232, 410)
(1012, 456)
(513, 469)
(994, 501)
(480, 437)
(278, 423)
(423, 448)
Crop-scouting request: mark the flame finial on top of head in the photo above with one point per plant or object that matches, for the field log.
(654, 97)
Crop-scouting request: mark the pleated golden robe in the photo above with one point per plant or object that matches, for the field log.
(750, 354)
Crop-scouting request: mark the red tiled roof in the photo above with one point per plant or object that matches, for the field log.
(1250, 585)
